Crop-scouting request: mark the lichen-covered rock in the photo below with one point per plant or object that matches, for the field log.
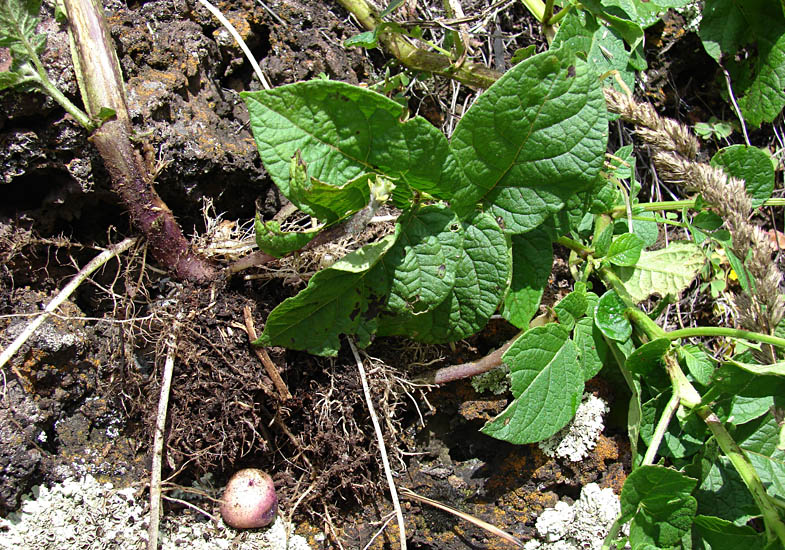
(581, 526)
(88, 514)
(575, 440)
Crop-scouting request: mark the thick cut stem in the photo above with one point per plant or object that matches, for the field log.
(101, 84)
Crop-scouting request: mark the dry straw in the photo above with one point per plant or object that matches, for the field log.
(674, 152)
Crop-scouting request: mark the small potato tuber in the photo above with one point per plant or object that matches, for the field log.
(249, 500)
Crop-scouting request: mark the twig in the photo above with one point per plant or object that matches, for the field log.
(158, 440)
(380, 441)
(476, 521)
(735, 104)
(62, 296)
(261, 353)
(239, 39)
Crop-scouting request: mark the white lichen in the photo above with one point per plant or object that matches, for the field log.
(89, 515)
(581, 526)
(579, 437)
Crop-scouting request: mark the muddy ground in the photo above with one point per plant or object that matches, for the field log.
(83, 393)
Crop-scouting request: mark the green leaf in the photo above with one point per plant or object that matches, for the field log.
(666, 271)
(643, 12)
(723, 493)
(523, 53)
(699, 364)
(707, 221)
(731, 379)
(593, 351)
(648, 357)
(750, 164)
(759, 78)
(761, 446)
(422, 262)
(602, 46)
(532, 260)
(776, 369)
(533, 139)
(271, 240)
(547, 385)
(9, 79)
(367, 39)
(481, 277)
(602, 242)
(105, 113)
(647, 229)
(572, 307)
(609, 317)
(724, 535)
(343, 132)
(625, 250)
(391, 7)
(659, 503)
(744, 409)
(624, 167)
(686, 433)
(338, 300)
(328, 203)
(18, 20)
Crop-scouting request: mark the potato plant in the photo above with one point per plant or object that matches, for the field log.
(479, 215)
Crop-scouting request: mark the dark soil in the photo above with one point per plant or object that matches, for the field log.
(83, 394)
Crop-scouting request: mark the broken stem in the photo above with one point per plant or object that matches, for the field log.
(101, 85)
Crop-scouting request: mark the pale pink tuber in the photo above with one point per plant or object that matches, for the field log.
(249, 500)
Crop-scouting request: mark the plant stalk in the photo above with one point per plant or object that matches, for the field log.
(101, 84)
(659, 431)
(621, 210)
(728, 332)
(775, 528)
(471, 74)
(689, 397)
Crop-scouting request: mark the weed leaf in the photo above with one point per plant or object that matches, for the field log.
(666, 271)
(547, 384)
(533, 139)
(750, 164)
(338, 300)
(18, 19)
(758, 80)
